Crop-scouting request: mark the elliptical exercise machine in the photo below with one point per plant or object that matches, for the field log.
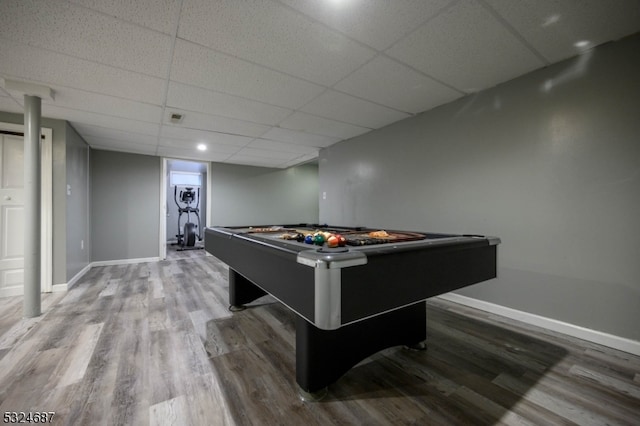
(187, 239)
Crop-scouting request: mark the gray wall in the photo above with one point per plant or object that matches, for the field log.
(78, 243)
(125, 205)
(549, 162)
(246, 195)
(172, 209)
(59, 130)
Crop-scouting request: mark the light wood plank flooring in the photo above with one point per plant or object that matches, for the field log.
(174, 254)
(127, 346)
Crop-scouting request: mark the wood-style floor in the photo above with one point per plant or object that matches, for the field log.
(127, 346)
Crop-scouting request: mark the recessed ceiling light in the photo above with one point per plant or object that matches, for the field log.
(582, 44)
(202, 147)
(552, 19)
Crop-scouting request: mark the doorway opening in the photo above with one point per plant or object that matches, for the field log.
(185, 209)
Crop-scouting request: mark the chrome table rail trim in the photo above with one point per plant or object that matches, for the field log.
(328, 283)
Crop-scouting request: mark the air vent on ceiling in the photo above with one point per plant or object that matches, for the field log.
(175, 117)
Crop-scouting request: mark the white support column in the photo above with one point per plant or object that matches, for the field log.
(32, 189)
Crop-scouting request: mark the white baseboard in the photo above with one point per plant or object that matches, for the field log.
(11, 291)
(61, 287)
(605, 339)
(76, 278)
(19, 290)
(124, 261)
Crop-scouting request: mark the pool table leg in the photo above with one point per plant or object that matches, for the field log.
(323, 356)
(242, 291)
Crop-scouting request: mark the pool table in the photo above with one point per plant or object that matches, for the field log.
(353, 300)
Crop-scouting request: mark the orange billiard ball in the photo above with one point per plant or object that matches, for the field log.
(333, 241)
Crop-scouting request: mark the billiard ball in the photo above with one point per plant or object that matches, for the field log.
(318, 239)
(308, 239)
(333, 241)
(342, 241)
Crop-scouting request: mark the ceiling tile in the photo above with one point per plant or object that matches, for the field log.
(190, 154)
(80, 32)
(45, 67)
(250, 160)
(182, 143)
(272, 35)
(160, 15)
(281, 78)
(199, 121)
(302, 159)
(203, 67)
(553, 28)
(345, 108)
(91, 118)
(103, 104)
(110, 145)
(462, 47)
(322, 126)
(390, 83)
(210, 102)
(282, 146)
(267, 153)
(218, 148)
(378, 23)
(94, 141)
(300, 138)
(90, 131)
(198, 136)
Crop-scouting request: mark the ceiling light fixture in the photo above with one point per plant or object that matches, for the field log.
(202, 147)
(551, 20)
(582, 44)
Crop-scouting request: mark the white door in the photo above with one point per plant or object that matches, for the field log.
(11, 214)
(12, 208)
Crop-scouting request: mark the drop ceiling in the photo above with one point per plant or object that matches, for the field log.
(270, 82)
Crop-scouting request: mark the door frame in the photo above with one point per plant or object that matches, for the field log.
(162, 234)
(46, 200)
